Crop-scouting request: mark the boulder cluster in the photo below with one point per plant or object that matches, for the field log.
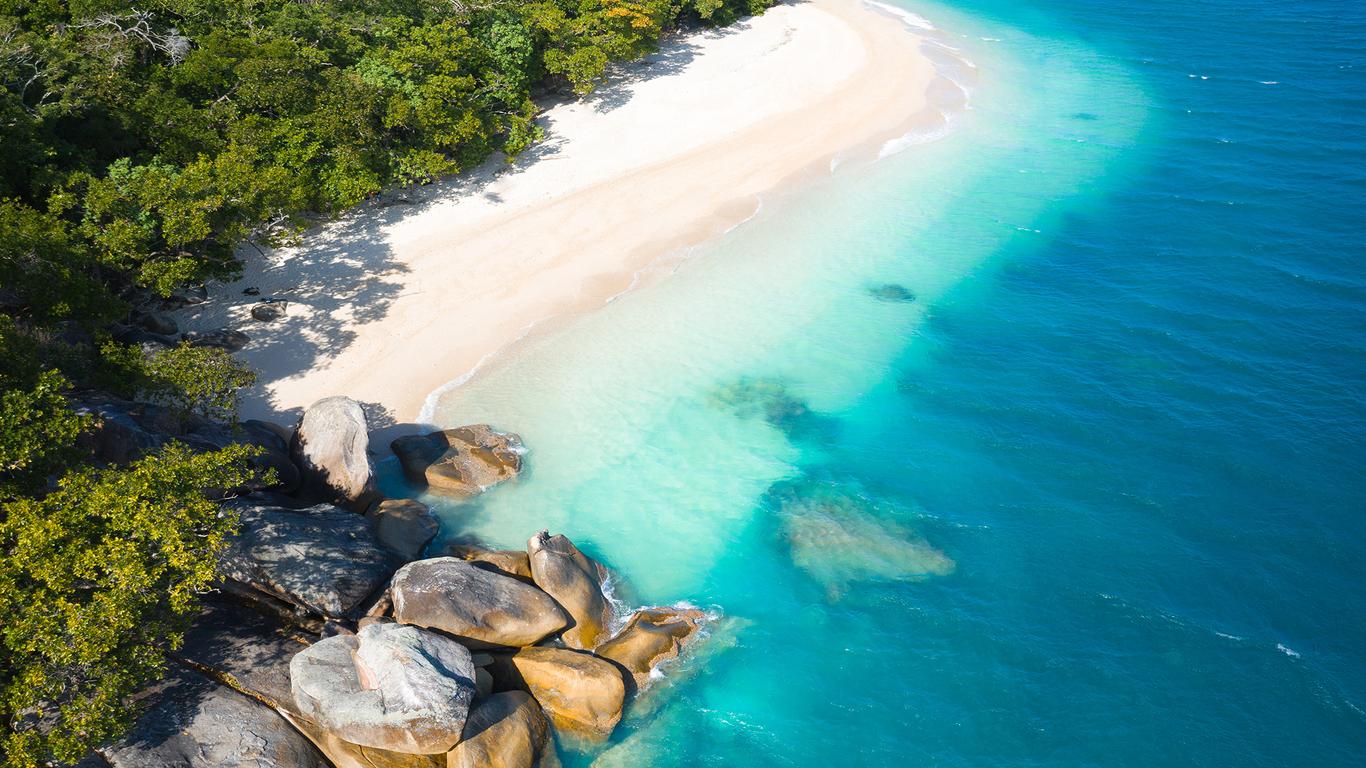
(334, 641)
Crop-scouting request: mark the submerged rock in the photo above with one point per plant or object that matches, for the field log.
(476, 605)
(196, 723)
(330, 447)
(652, 637)
(575, 581)
(891, 292)
(390, 687)
(321, 558)
(772, 400)
(582, 694)
(460, 462)
(840, 537)
(507, 730)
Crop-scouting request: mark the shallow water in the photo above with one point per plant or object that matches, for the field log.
(1035, 443)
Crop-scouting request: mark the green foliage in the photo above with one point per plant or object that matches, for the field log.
(98, 580)
(197, 380)
(37, 431)
(139, 147)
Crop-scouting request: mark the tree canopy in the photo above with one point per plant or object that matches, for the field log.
(140, 144)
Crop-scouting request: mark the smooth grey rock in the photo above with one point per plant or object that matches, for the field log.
(267, 310)
(390, 687)
(223, 338)
(245, 647)
(321, 558)
(484, 608)
(575, 581)
(155, 322)
(405, 526)
(196, 723)
(462, 461)
(190, 294)
(330, 448)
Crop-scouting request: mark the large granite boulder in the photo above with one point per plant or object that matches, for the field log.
(582, 694)
(507, 730)
(405, 526)
(321, 558)
(123, 430)
(196, 723)
(390, 686)
(575, 581)
(344, 754)
(252, 653)
(330, 447)
(234, 643)
(510, 562)
(653, 636)
(479, 606)
(462, 461)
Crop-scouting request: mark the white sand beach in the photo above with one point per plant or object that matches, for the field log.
(408, 293)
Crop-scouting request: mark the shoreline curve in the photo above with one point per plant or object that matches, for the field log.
(412, 294)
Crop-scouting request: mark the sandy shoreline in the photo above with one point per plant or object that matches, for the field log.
(402, 296)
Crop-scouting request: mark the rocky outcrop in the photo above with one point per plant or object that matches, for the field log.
(156, 322)
(653, 636)
(273, 459)
(575, 581)
(124, 430)
(404, 526)
(507, 730)
(482, 608)
(460, 462)
(582, 694)
(244, 649)
(252, 653)
(197, 723)
(330, 448)
(390, 687)
(511, 562)
(320, 558)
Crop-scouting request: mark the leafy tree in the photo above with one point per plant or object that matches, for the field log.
(140, 145)
(98, 581)
(197, 380)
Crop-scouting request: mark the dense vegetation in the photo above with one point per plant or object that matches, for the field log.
(140, 144)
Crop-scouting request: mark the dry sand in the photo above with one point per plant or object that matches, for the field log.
(417, 289)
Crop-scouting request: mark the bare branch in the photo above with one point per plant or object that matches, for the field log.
(137, 25)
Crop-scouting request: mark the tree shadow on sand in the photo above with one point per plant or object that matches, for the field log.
(344, 273)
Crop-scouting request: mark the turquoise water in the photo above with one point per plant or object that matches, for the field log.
(1093, 497)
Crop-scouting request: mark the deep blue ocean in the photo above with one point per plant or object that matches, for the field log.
(1095, 497)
